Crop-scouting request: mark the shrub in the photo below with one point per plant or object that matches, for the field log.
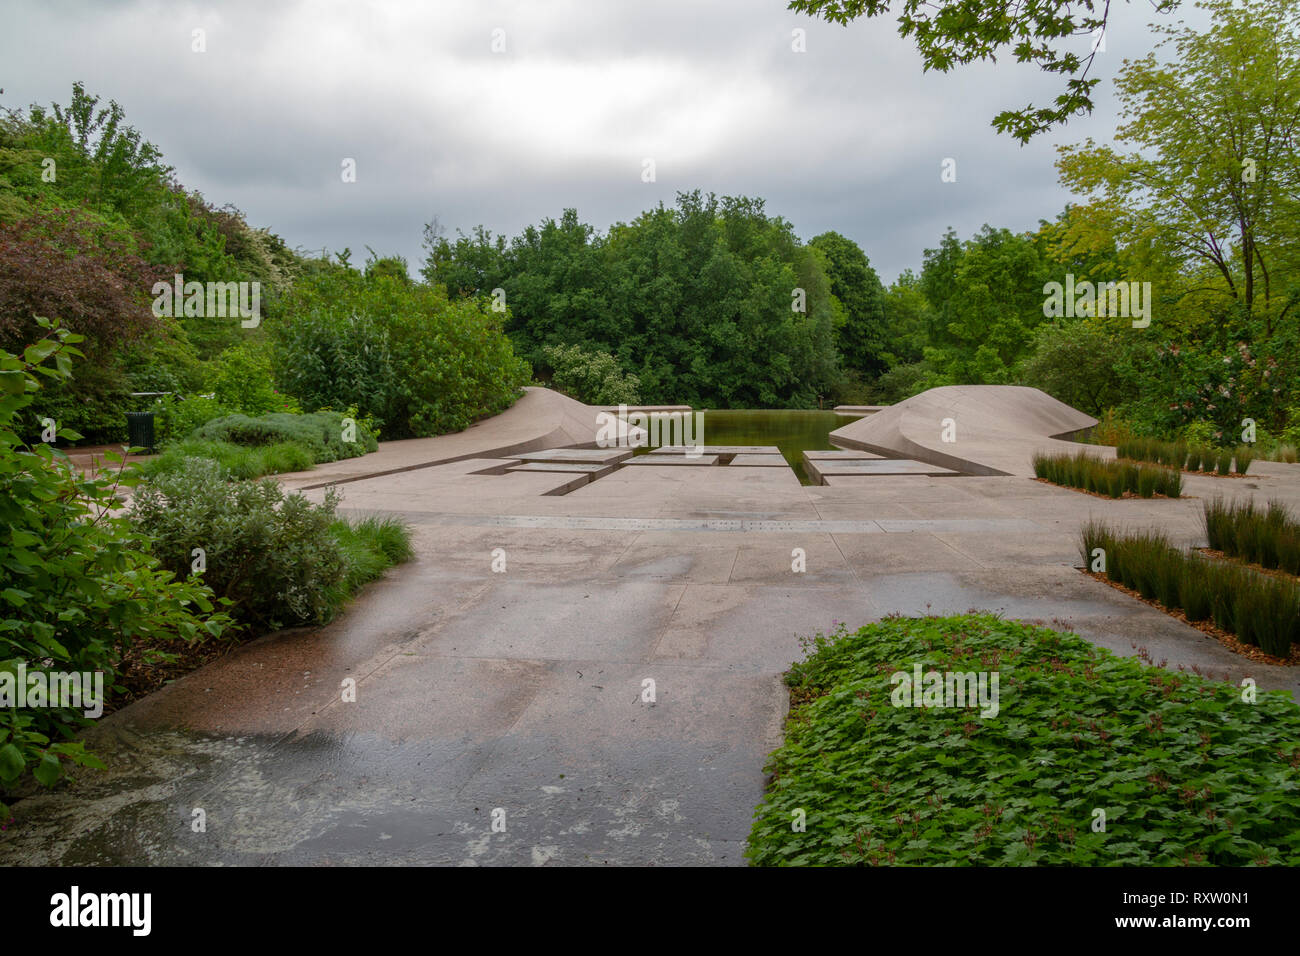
(402, 352)
(592, 376)
(242, 382)
(321, 433)
(279, 558)
(78, 586)
(1078, 728)
(176, 418)
(270, 553)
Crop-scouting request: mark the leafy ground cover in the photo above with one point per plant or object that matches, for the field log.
(1187, 771)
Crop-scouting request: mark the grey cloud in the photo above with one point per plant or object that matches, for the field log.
(848, 136)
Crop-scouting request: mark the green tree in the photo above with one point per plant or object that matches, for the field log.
(698, 301)
(953, 33)
(1212, 174)
(1201, 196)
(860, 334)
(987, 296)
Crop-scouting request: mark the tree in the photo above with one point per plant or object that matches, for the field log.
(859, 335)
(952, 33)
(907, 319)
(709, 302)
(1213, 175)
(987, 298)
(1079, 365)
(1202, 195)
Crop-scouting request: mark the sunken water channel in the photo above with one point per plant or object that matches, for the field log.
(792, 431)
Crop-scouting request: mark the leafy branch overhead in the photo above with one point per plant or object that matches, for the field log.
(952, 33)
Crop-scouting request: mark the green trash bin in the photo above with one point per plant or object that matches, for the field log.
(139, 430)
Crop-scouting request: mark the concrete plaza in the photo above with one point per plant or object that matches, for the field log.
(503, 673)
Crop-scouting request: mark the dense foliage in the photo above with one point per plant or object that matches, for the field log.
(712, 302)
(90, 219)
(592, 377)
(1185, 770)
(279, 558)
(414, 360)
(78, 584)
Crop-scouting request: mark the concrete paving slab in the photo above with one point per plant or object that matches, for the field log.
(825, 470)
(897, 553)
(839, 454)
(591, 456)
(818, 564)
(712, 566)
(592, 471)
(759, 461)
(721, 450)
(672, 460)
(757, 629)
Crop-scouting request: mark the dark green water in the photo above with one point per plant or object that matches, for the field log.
(791, 431)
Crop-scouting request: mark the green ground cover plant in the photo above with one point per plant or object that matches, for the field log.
(1111, 478)
(1262, 610)
(1185, 771)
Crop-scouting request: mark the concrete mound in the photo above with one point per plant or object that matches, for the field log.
(997, 428)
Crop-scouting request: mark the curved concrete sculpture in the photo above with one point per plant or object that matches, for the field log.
(997, 428)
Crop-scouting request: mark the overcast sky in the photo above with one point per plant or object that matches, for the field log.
(849, 135)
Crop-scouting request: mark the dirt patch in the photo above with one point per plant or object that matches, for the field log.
(141, 678)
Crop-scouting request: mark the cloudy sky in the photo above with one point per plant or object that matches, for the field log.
(849, 135)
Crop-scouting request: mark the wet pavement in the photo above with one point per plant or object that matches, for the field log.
(608, 695)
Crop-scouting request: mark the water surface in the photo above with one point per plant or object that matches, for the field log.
(792, 431)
